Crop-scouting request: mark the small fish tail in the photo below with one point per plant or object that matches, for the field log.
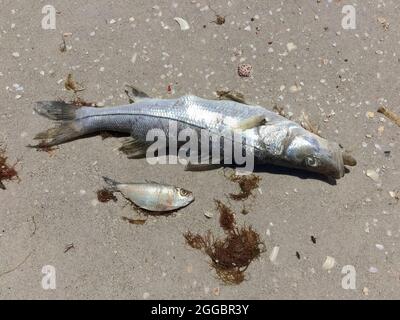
(112, 184)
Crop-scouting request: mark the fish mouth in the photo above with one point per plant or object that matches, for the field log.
(341, 158)
(338, 158)
(334, 163)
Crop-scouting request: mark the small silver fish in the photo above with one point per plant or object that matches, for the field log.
(153, 196)
(274, 139)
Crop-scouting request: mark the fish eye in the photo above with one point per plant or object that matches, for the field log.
(183, 192)
(311, 161)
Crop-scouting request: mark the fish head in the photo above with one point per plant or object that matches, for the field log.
(182, 197)
(310, 152)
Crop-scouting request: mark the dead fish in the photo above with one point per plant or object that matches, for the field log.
(153, 196)
(273, 138)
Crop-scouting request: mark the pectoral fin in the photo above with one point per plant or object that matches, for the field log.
(251, 122)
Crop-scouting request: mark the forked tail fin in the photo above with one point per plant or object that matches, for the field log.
(69, 128)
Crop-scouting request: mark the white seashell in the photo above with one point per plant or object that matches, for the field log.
(208, 214)
(329, 263)
(373, 175)
(291, 46)
(182, 23)
(373, 270)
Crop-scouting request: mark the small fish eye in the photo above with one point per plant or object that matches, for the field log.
(183, 192)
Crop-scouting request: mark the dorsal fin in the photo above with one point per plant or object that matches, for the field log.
(134, 94)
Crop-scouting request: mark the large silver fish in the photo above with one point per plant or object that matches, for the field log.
(274, 139)
(153, 196)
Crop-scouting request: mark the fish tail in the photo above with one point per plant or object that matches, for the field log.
(112, 184)
(68, 129)
(56, 110)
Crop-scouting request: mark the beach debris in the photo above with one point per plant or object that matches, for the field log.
(230, 95)
(313, 239)
(306, 124)
(274, 254)
(294, 88)
(370, 114)
(373, 270)
(208, 214)
(298, 255)
(69, 247)
(105, 195)
(247, 184)
(34, 226)
(329, 263)
(244, 70)
(291, 46)
(134, 221)
(373, 175)
(152, 196)
(71, 85)
(7, 171)
(219, 19)
(365, 291)
(230, 256)
(79, 102)
(183, 24)
(17, 266)
(395, 195)
(390, 115)
(63, 45)
(226, 216)
(280, 110)
(385, 25)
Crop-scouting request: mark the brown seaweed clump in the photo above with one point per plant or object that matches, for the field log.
(7, 172)
(226, 216)
(79, 102)
(105, 195)
(247, 184)
(230, 256)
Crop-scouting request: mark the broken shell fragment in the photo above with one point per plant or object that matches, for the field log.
(274, 254)
(183, 24)
(373, 175)
(208, 214)
(329, 263)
